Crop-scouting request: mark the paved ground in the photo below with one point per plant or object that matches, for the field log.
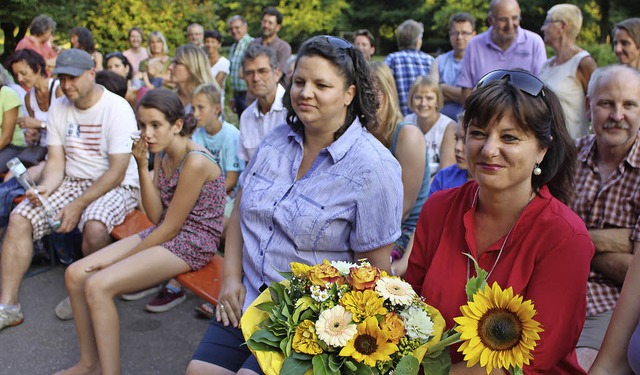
(151, 343)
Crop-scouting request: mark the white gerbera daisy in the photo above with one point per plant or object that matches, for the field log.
(342, 267)
(335, 326)
(417, 323)
(397, 291)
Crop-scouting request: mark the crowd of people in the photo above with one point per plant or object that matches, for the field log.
(530, 165)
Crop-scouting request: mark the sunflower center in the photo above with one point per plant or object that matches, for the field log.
(365, 344)
(500, 329)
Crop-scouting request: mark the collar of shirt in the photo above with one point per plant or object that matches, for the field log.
(587, 153)
(277, 105)
(521, 38)
(338, 149)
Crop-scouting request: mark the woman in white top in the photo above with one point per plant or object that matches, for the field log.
(569, 71)
(29, 70)
(426, 100)
(220, 65)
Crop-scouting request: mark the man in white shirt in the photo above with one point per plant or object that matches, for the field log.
(261, 72)
(90, 178)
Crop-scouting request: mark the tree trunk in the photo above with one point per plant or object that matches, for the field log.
(604, 21)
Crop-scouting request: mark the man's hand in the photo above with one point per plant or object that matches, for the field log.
(69, 217)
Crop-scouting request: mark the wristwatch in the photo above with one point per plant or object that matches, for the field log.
(43, 125)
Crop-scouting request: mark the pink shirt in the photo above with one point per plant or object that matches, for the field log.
(135, 58)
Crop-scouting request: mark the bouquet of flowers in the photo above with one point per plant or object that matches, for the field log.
(340, 318)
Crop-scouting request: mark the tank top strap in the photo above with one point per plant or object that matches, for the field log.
(394, 140)
(201, 152)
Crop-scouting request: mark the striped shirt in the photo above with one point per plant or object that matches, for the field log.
(614, 203)
(236, 55)
(407, 65)
(349, 202)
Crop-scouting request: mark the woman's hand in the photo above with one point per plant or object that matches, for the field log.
(32, 137)
(230, 301)
(140, 151)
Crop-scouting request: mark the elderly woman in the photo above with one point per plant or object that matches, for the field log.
(331, 109)
(626, 42)
(41, 30)
(569, 71)
(511, 220)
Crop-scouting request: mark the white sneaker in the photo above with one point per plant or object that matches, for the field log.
(141, 294)
(63, 310)
(10, 316)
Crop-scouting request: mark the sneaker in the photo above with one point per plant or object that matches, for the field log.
(165, 301)
(63, 310)
(10, 316)
(141, 294)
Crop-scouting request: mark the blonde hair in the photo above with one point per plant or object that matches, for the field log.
(197, 62)
(569, 14)
(428, 83)
(212, 92)
(390, 106)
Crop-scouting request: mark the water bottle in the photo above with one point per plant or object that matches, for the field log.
(24, 178)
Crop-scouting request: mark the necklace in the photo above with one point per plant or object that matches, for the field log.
(506, 238)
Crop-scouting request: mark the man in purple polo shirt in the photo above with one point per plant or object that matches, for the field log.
(504, 46)
(271, 24)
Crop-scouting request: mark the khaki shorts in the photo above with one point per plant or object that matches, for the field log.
(110, 209)
(594, 330)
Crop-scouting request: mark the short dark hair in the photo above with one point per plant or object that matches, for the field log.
(272, 11)
(541, 116)
(215, 34)
(365, 32)
(85, 39)
(33, 59)
(169, 104)
(351, 64)
(255, 50)
(462, 17)
(41, 24)
(113, 82)
(135, 28)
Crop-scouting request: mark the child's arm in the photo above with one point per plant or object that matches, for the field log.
(231, 179)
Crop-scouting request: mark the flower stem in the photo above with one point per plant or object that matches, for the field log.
(440, 345)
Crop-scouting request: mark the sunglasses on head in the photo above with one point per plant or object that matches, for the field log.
(337, 42)
(114, 54)
(524, 81)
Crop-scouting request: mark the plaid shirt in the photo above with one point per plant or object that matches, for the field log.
(236, 55)
(614, 203)
(407, 65)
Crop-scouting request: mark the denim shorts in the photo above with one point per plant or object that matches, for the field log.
(225, 347)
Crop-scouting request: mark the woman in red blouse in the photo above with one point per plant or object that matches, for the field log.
(511, 219)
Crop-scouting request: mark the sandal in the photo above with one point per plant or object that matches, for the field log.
(206, 310)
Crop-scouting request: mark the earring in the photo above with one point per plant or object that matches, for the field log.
(536, 170)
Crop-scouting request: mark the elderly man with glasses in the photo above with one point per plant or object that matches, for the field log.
(504, 46)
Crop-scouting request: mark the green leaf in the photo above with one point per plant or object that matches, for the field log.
(350, 365)
(437, 363)
(286, 275)
(263, 337)
(362, 369)
(335, 362)
(321, 365)
(475, 283)
(294, 366)
(261, 346)
(516, 371)
(408, 365)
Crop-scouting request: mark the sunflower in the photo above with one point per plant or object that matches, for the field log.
(498, 329)
(370, 344)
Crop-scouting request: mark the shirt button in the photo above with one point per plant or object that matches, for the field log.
(270, 228)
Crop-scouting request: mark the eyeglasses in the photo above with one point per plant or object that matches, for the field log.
(524, 81)
(548, 21)
(460, 33)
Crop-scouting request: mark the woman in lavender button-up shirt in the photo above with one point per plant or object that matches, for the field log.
(320, 187)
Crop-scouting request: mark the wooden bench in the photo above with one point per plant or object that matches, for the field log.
(205, 282)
